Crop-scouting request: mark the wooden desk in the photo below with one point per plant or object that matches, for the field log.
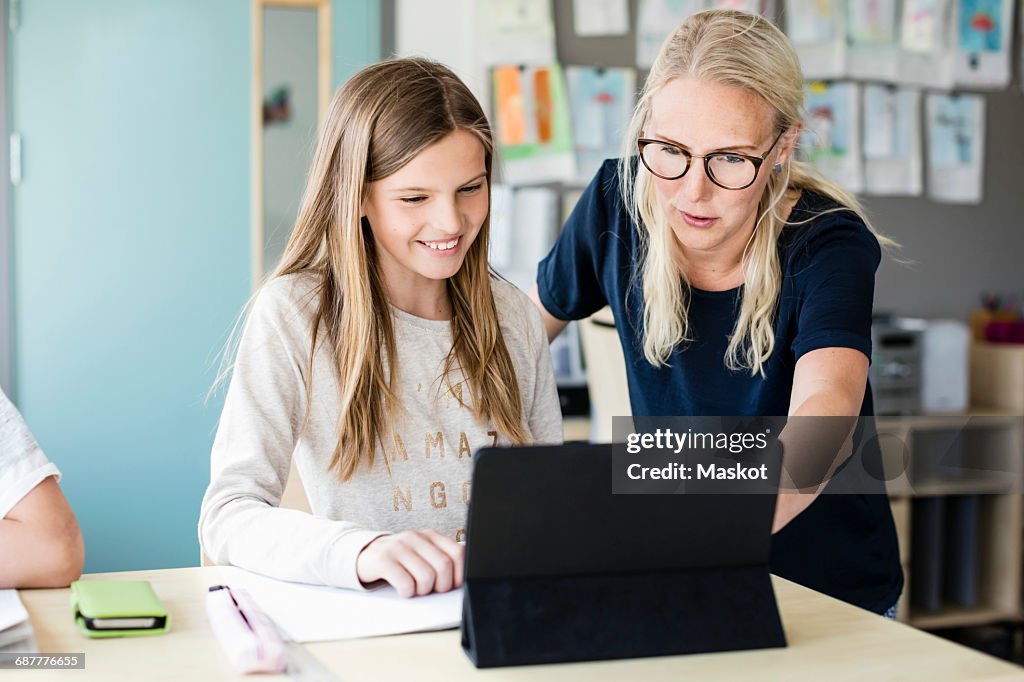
(827, 640)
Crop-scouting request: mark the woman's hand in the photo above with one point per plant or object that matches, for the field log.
(414, 562)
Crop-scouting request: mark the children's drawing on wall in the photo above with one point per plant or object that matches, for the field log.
(517, 32)
(871, 34)
(816, 29)
(881, 120)
(872, 22)
(811, 21)
(955, 146)
(600, 17)
(923, 26)
(831, 137)
(952, 133)
(984, 38)
(981, 25)
(892, 140)
(533, 128)
(656, 19)
(820, 123)
(766, 8)
(601, 101)
(927, 42)
(277, 106)
(827, 127)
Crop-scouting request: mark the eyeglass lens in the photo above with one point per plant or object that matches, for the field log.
(728, 170)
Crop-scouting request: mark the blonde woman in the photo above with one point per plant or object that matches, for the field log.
(741, 284)
(381, 352)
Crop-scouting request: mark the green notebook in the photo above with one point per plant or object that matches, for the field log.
(117, 608)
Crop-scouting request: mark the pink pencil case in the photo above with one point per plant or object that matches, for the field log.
(247, 635)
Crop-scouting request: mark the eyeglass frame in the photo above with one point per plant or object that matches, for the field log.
(758, 161)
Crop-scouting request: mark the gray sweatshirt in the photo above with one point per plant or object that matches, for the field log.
(431, 456)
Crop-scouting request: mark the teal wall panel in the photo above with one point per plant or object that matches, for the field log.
(131, 249)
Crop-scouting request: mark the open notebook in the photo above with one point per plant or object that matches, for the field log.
(310, 613)
(15, 629)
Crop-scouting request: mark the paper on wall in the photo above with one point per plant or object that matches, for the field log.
(516, 32)
(566, 359)
(501, 234)
(818, 31)
(600, 17)
(531, 114)
(601, 101)
(926, 43)
(656, 20)
(534, 219)
(872, 47)
(956, 145)
(527, 222)
(766, 8)
(892, 140)
(984, 42)
(831, 136)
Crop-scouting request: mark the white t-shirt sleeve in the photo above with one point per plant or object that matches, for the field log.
(23, 465)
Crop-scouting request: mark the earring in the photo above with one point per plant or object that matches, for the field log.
(778, 168)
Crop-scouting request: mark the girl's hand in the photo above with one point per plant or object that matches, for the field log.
(414, 562)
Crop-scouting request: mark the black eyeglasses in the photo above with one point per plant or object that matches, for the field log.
(728, 170)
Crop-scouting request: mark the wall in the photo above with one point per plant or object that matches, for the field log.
(957, 250)
(5, 221)
(131, 249)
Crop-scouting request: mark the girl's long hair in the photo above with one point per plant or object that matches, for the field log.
(377, 122)
(749, 52)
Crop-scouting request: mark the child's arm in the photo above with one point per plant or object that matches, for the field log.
(40, 541)
(240, 522)
(414, 562)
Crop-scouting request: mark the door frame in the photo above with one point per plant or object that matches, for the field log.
(323, 22)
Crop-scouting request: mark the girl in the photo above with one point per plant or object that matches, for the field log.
(741, 284)
(381, 352)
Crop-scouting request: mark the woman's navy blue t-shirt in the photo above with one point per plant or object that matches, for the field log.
(843, 544)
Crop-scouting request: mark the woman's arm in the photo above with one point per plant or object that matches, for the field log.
(827, 382)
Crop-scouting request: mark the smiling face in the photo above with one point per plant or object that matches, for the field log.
(425, 216)
(705, 117)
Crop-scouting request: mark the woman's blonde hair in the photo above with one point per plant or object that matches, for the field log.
(749, 52)
(377, 122)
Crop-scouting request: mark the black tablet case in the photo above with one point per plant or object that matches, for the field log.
(559, 569)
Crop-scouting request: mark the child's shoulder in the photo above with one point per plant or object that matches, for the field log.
(287, 299)
(509, 299)
(299, 289)
(517, 314)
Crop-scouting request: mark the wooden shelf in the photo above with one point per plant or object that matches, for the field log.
(967, 486)
(978, 453)
(576, 428)
(960, 617)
